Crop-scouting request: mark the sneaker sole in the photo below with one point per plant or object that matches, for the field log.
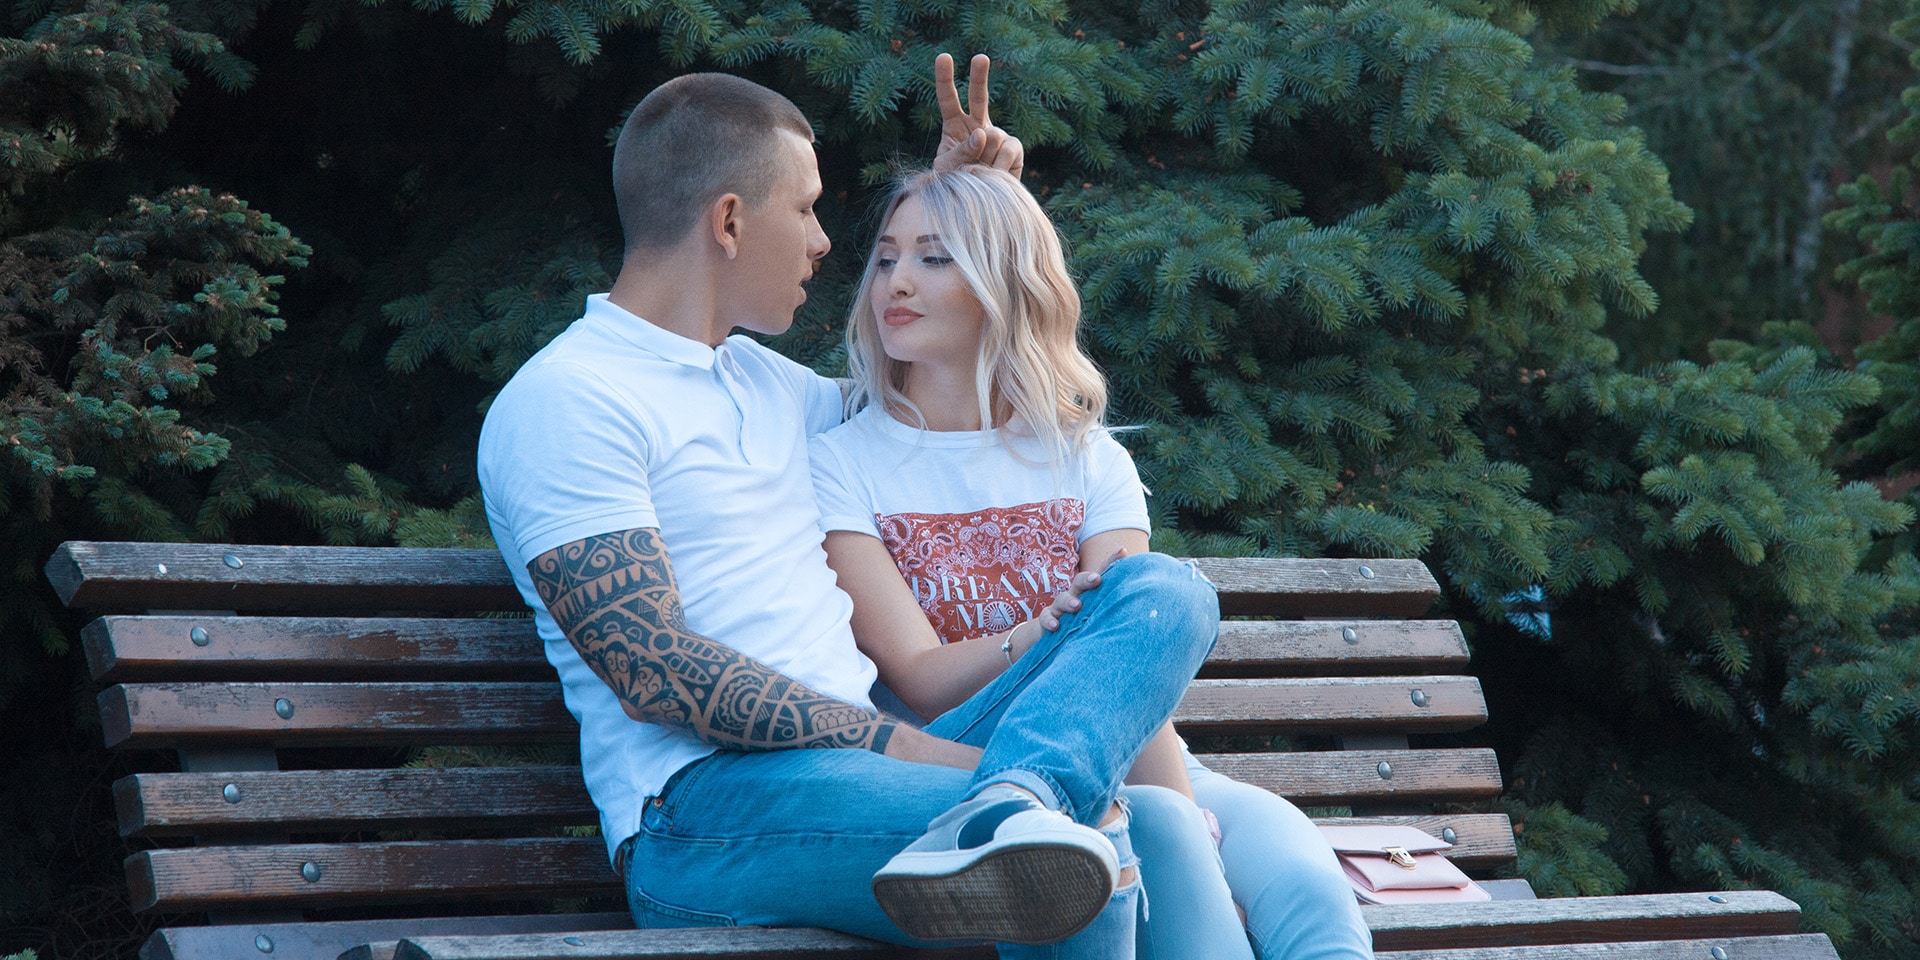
(1019, 893)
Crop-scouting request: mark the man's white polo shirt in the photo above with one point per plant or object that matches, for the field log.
(618, 424)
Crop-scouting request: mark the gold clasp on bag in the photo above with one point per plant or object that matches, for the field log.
(1401, 857)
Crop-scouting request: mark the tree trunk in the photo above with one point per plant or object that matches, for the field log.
(1820, 158)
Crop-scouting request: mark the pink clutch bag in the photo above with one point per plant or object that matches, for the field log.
(1395, 864)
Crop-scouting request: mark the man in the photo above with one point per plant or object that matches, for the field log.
(645, 476)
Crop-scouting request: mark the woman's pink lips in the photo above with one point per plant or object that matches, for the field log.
(899, 316)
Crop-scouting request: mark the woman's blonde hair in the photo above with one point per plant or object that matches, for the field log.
(1031, 369)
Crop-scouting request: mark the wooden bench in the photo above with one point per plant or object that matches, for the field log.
(294, 684)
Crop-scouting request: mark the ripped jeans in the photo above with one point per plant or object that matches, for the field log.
(793, 837)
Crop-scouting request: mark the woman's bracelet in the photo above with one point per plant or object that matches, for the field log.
(1006, 646)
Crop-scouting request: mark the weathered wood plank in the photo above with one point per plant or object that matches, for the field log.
(197, 576)
(691, 944)
(1336, 648)
(175, 879)
(1338, 777)
(1505, 923)
(1538, 921)
(181, 804)
(738, 943)
(1333, 704)
(124, 649)
(136, 715)
(1293, 587)
(190, 576)
(132, 648)
(327, 940)
(1803, 946)
(177, 804)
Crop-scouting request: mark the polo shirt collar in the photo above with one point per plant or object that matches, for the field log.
(637, 331)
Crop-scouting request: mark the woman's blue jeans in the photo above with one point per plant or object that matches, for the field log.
(793, 837)
(1272, 859)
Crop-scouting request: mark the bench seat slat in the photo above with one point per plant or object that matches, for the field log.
(1800, 946)
(180, 804)
(1571, 920)
(1748, 915)
(756, 941)
(196, 576)
(174, 879)
(328, 939)
(690, 943)
(124, 649)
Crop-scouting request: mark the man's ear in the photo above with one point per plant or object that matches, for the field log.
(723, 219)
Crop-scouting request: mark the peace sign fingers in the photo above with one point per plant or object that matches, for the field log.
(969, 136)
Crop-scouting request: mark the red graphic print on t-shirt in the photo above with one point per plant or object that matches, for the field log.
(987, 571)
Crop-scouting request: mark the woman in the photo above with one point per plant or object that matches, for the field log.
(972, 488)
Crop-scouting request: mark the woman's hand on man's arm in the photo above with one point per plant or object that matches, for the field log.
(890, 627)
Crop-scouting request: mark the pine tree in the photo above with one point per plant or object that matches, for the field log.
(111, 323)
(1754, 107)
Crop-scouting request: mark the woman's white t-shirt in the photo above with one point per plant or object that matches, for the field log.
(984, 537)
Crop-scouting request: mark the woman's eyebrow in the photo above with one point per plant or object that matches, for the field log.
(923, 238)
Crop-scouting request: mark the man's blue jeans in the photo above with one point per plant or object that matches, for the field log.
(793, 837)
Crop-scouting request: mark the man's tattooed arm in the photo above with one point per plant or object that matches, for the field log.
(615, 597)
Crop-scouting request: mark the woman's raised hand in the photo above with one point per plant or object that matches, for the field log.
(969, 136)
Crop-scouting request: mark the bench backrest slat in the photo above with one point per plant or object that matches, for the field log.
(461, 713)
(333, 714)
(308, 801)
(181, 647)
(1333, 705)
(215, 878)
(175, 879)
(186, 576)
(199, 576)
(131, 648)
(1338, 648)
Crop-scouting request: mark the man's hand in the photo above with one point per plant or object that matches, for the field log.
(915, 746)
(969, 136)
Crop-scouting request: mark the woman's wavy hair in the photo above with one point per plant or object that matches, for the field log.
(1031, 372)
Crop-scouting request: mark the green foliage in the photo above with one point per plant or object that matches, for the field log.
(1737, 98)
(1562, 854)
(73, 82)
(1885, 220)
(1362, 271)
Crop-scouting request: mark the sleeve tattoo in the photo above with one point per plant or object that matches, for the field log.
(615, 597)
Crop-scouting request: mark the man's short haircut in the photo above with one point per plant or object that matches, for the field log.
(693, 139)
